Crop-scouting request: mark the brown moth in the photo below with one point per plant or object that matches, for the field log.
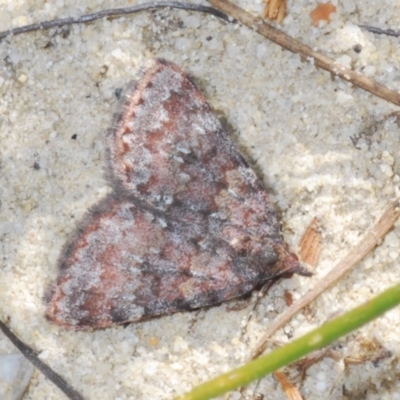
(188, 223)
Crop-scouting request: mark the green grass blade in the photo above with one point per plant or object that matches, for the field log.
(323, 336)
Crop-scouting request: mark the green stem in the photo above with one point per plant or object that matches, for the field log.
(320, 337)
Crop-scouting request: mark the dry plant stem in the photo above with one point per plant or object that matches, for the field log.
(291, 391)
(371, 239)
(110, 13)
(307, 362)
(68, 390)
(380, 31)
(306, 52)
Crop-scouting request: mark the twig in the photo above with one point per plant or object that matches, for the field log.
(114, 12)
(295, 46)
(68, 390)
(380, 31)
(288, 387)
(369, 242)
(225, 7)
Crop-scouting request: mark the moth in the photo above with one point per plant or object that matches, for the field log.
(188, 224)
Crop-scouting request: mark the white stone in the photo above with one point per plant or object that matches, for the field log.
(15, 373)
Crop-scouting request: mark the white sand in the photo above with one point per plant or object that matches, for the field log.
(293, 121)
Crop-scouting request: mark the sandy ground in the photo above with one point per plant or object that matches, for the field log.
(322, 147)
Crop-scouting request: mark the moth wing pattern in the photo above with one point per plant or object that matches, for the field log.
(167, 148)
(188, 223)
(162, 269)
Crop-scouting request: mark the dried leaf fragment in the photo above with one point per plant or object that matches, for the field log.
(310, 244)
(275, 10)
(322, 12)
(288, 297)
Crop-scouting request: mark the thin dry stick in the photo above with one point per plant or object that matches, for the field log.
(368, 243)
(295, 46)
(380, 31)
(288, 387)
(59, 381)
(112, 12)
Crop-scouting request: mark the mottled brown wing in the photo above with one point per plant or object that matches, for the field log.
(168, 149)
(188, 225)
(126, 263)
